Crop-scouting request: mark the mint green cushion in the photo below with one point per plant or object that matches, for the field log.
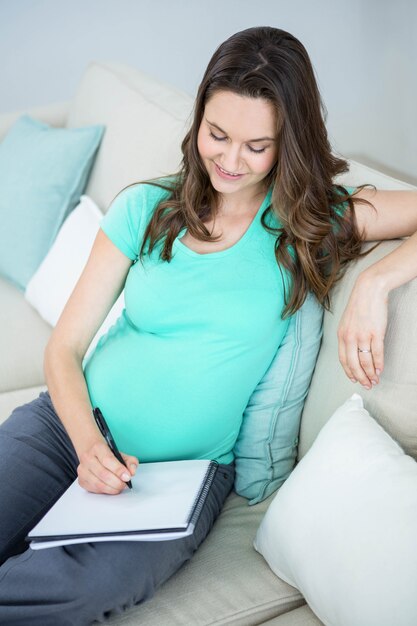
(43, 173)
(266, 448)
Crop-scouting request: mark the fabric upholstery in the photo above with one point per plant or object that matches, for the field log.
(53, 282)
(342, 527)
(22, 342)
(43, 172)
(303, 616)
(397, 388)
(226, 581)
(9, 400)
(266, 448)
(145, 124)
(393, 401)
(54, 114)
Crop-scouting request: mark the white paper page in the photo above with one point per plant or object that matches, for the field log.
(35, 545)
(163, 495)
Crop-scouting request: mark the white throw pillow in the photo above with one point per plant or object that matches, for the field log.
(52, 284)
(342, 529)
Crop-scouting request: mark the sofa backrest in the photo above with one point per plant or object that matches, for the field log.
(393, 402)
(145, 122)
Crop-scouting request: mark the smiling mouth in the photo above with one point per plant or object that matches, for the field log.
(226, 172)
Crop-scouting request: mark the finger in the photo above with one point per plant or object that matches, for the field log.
(109, 461)
(378, 354)
(100, 470)
(355, 365)
(367, 363)
(90, 482)
(366, 358)
(343, 360)
(131, 462)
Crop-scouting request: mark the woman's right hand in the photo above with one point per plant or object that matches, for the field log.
(100, 472)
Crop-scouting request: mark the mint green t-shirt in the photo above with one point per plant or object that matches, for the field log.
(174, 374)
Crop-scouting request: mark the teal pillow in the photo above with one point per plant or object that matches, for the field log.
(43, 173)
(266, 448)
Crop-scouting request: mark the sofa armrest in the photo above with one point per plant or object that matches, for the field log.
(54, 114)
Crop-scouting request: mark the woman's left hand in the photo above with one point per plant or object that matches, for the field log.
(361, 331)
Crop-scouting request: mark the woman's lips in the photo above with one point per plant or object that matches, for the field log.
(225, 176)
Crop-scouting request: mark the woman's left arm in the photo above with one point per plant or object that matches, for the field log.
(362, 328)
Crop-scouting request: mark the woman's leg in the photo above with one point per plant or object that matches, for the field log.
(77, 584)
(37, 464)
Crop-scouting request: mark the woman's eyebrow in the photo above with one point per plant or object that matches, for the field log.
(250, 140)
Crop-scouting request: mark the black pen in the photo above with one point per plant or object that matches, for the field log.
(105, 431)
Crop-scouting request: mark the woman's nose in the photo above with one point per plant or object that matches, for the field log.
(231, 159)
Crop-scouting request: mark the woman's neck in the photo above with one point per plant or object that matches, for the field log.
(233, 205)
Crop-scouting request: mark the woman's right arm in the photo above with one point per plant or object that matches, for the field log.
(97, 289)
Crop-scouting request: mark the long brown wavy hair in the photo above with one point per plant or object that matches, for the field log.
(316, 237)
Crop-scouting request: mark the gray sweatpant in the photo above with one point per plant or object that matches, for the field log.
(76, 584)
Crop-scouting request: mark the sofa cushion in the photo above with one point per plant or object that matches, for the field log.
(393, 401)
(303, 616)
(226, 581)
(342, 527)
(145, 124)
(22, 342)
(53, 282)
(43, 172)
(9, 400)
(266, 447)
(396, 393)
(54, 114)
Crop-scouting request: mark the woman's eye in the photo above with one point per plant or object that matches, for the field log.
(213, 136)
(216, 138)
(257, 151)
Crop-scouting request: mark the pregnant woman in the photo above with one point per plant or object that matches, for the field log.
(213, 260)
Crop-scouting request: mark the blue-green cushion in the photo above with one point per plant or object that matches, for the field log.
(266, 448)
(43, 173)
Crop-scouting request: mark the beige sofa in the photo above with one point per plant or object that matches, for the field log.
(227, 582)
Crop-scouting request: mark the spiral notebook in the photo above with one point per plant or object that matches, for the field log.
(164, 503)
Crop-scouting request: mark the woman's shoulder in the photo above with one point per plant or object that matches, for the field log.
(148, 192)
(130, 211)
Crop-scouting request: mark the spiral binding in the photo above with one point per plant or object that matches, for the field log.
(202, 494)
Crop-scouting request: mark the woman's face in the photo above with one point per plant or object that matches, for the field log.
(237, 142)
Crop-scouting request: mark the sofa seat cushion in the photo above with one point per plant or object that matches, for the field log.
(23, 338)
(9, 400)
(226, 581)
(303, 616)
